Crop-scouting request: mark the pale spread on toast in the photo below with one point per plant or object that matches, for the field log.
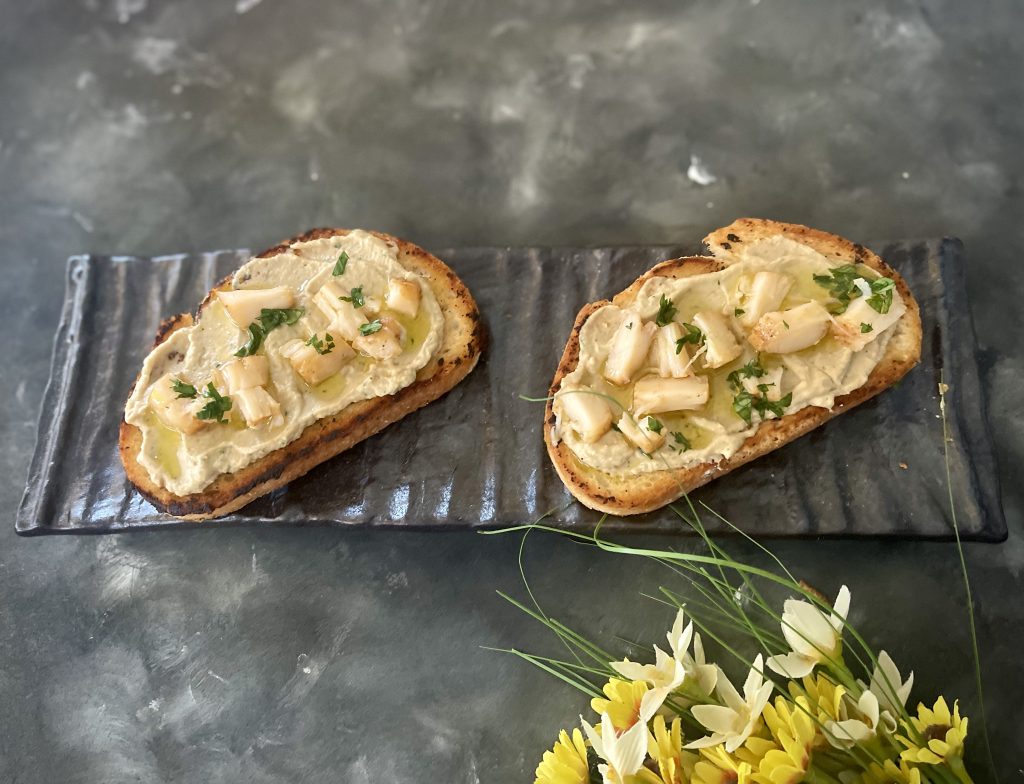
(297, 337)
(690, 369)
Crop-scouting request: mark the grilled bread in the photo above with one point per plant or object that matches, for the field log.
(634, 492)
(454, 357)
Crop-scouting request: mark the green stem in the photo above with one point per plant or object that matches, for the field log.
(957, 766)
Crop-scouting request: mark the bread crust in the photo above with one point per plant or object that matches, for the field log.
(621, 494)
(464, 341)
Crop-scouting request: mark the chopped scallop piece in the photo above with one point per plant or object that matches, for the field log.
(175, 412)
(257, 406)
(767, 291)
(385, 343)
(861, 323)
(587, 413)
(672, 357)
(786, 331)
(244, 305)
(347, 320)
(403, 296)
(630, 344)
(313, 366)
(722, 346)
(653, 395)
(244, 373)
(639, 431)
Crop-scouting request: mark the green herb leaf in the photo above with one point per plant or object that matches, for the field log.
(752, 369)
(339, 267)
(865, 327)
(741, 404)
(355, 297)
(693, 335)
(745, 403)
(681, 440)
(654, 425)
(370, 327)
(255, 341)
(272, 318)
(841, 285)
(738, 312)
(182, 389)
(218, 406)
(881, 294)
(325, 346)
(666, 312)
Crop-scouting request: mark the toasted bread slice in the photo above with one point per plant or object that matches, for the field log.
(464, 340)
(634, 494)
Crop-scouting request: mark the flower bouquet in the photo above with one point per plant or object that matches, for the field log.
(817, 704)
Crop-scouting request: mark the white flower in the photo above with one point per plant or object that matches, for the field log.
(623, 754)
(889, 687)
(811, 634)
(733, 722)
(669, 672)
(846, 733)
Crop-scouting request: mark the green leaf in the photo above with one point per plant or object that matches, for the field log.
(693, 335)
(218, 406)
(840, 283)
(881, 294)
(370, 327)
(741, 405)
(255, 341)
(666, 312)
(752, 369)
(865, 327)
(272, 318)
(355, 297)
(738, 312)
(681, 440)
(339, 267)
(325, 346)
(182, 389)
(654, 425)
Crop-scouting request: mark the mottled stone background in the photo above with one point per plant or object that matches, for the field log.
(138, 126)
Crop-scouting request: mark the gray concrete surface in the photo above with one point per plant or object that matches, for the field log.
(141, 126)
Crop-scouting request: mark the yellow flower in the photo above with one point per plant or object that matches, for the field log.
(717, 766)
(890, 773)
(824, 696)
(665, 747)
(795, 735)
(942, 733)
(566, 763)
(623, 703)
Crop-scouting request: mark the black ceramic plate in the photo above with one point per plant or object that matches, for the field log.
(475, 458)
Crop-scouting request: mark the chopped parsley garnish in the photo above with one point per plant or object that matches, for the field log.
(181, 389)
(355, 297)
(370, 327)
(325, 346)
(881, 294)
(254, 343)
(339, 267)
(752, 369)
(218, 406)
(841, 285)
(666, 312)
(738, 312)
(269, 319)
(693, 335)
(654, 425)
(745, 402)
(865, 327)
(682, 441)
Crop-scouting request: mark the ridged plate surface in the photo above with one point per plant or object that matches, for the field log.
(475, 458)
